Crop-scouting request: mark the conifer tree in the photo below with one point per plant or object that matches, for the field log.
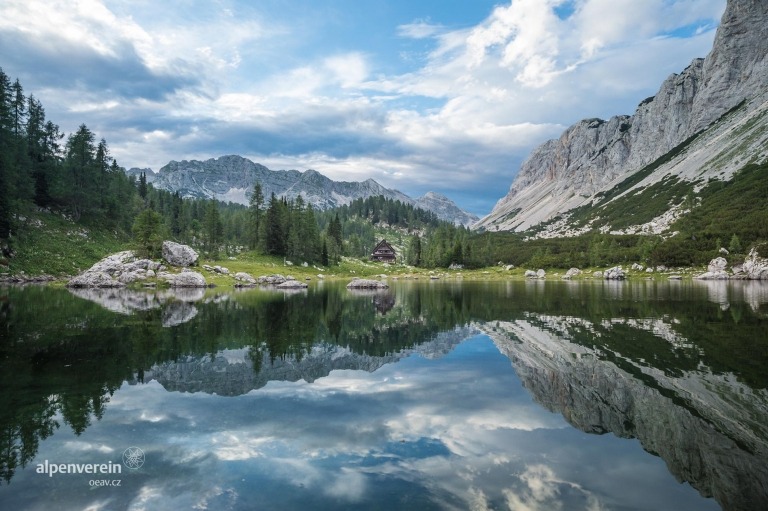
(256, 204)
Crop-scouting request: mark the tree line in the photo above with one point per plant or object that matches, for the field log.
(75, 175)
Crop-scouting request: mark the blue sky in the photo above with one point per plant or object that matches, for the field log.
(438, 95)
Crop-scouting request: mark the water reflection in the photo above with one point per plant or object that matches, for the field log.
(345, 399)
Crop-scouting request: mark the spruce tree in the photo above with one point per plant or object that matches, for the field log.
(256, 204)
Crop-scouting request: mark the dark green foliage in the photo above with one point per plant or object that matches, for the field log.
(414, 251)
(732, 210)
(256, 204)
(148, 233)
(213, 229)
(643, 205)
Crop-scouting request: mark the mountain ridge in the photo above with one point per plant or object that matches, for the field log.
(232, 177)
(594, 155)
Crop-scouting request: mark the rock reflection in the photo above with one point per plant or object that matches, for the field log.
(709, 428)
(176, 303)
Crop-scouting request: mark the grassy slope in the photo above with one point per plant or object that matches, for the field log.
(51, 244)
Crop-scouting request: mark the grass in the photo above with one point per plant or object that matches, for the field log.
(51, 244)
(54, 245)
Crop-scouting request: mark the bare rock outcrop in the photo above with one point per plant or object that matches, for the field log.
(594, 154)
(179, 255)
(186, 278)
(115, 270)
(367, 284)
(755, 267)
(573, 272)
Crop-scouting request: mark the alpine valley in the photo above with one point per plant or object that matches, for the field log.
(231, 179)
(684, 150)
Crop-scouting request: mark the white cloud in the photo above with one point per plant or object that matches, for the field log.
(471, 107)
(420, 29)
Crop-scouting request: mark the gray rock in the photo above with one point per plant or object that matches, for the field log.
(573, 272)
(115, 270)
(530, 274)
(615, 273)
(598, 274)
(244, 277)
(177, 254)
(292, 284)
(186, 279)
(221, 269)
(717, 265)
(367, 284)
(94, 279)
(755, 267)
(271, 280)
(594, 154)
(715, 270)
(541, 274)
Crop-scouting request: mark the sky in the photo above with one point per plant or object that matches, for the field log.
(426, 95)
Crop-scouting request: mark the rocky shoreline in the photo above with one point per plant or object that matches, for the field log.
(173, 270)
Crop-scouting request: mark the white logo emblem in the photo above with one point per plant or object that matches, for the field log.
(133, 457)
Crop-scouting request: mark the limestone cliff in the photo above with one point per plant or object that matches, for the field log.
(593, 155)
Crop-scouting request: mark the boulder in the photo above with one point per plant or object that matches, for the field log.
(186, 279)
(179, 255)
(598, 274)
(367, 284)
(637, 267)
(573, 272)
(244, 277)
(115, 270)
(91, 279)
(271, 280)
(530, 274)
(718, 264)
(615, 273)
(755, 267)
(541, 274)
(715, 270)
(292, 284)
(221, 269)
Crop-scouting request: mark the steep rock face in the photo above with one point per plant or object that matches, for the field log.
(231, 178)
(593, 155)
(445, 208)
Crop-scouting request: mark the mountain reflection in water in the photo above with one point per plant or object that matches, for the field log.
(679, 366)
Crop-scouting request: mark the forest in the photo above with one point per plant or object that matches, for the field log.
(75, 175)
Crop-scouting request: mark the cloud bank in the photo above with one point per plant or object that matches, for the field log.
(415, 102)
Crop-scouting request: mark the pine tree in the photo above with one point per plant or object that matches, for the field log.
(143, 185)
(324, 253)
(80, 165)
(213, 229)
(147, 233)
(274, 242)
(256, 204)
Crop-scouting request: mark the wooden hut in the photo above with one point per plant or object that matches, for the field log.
(384, 253)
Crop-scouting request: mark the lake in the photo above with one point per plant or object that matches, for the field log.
(535, 395)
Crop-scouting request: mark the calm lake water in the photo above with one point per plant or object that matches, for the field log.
(431, 395)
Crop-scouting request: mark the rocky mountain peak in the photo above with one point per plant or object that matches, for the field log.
(232, 177)
(593, 155)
